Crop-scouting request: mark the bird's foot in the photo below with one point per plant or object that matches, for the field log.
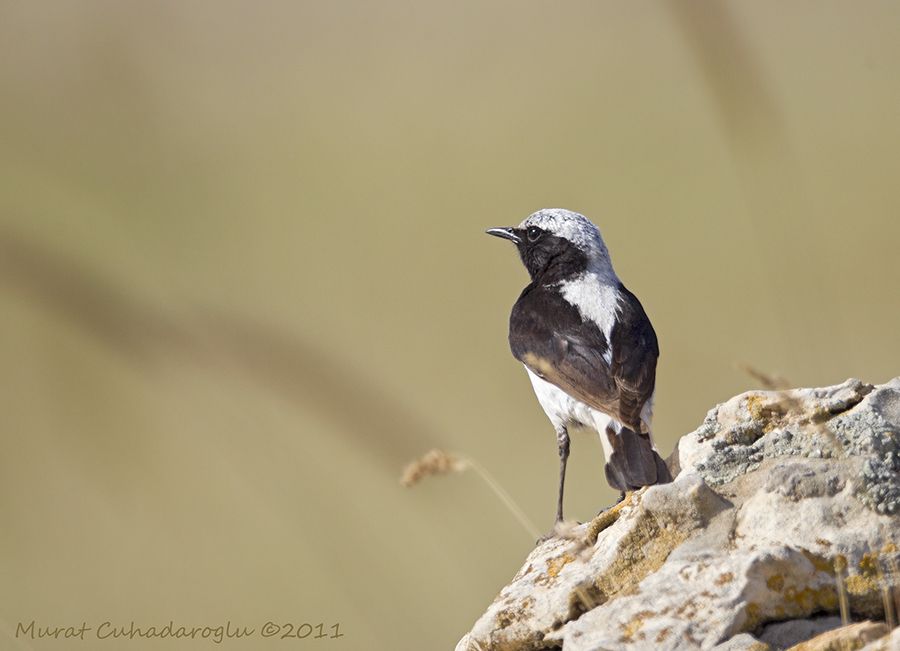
(621, 499)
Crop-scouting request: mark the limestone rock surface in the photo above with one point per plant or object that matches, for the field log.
(846, 638)
(773, 491)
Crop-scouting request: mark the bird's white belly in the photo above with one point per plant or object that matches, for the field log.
(563, 410)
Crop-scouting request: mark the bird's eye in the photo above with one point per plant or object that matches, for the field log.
(534, 233)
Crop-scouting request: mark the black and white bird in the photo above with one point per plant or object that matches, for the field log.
(587, 345)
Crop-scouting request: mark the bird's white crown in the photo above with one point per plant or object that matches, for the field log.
(572, 226)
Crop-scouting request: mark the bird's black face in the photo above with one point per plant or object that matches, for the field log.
(545, 255)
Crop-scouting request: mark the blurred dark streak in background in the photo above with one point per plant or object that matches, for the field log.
(749, 113)
(86, 301)
(754, 128)
(278, 363)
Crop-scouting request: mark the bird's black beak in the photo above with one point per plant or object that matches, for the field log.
(507, 233)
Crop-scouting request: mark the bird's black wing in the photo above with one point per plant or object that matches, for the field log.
(548, 335)
(634, 354)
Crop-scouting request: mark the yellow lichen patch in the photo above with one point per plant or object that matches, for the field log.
(868, 564)
(754, 615)
(755, 403)
(609, 516)
(555, 565)
(821, 563)
(631, 628)
(759, 646)
(807, 600)
(775, 583)
(762, 408)
(863, 588)
(642, 551)
(795, 602)
(860, 585)
(819, 414)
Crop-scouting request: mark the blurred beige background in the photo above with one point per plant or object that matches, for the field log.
(243, 280)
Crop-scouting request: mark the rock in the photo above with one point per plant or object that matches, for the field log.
(888, 643)
(742, 642)
(782, 635)
(773, 489)
(847, 638)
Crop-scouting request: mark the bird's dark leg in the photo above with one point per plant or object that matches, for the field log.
(562, 439)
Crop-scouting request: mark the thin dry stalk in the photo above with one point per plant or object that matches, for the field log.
(439, 462)
(893, 581)
(767, 380)
(585, 599)
(889, 615)
(884, 582)
(840, 564)
(506, 498)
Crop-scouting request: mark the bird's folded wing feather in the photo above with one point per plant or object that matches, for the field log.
(548, 335)
(635, 351)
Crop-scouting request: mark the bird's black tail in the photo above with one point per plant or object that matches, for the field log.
(633, 462)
